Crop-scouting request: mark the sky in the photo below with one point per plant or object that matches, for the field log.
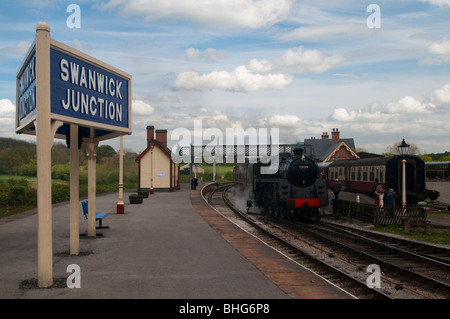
(379, 71)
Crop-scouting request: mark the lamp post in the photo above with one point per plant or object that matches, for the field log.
(152, 145)
(120, 203)
(403, 149)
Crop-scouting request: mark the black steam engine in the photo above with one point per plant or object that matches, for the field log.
(295, 190)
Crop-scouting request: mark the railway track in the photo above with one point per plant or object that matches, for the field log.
(277, 239)
(342, 254)
(420, 274)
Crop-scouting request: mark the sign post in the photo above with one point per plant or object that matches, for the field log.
(58, 85)
(44, 140)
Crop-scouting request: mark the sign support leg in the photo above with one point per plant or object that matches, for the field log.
(44, 139)
(74, 191)
(92, 187)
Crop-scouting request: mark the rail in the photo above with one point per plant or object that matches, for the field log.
(333, 274)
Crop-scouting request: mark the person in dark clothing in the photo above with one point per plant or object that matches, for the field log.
(336, 188)
(194, 183)
(391, 198)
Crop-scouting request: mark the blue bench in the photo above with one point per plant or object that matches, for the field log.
(98, 216)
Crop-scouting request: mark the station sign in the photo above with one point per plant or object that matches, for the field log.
(83, 91)
(26, 91)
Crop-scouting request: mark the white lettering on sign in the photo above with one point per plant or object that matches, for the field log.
(84, 103)
(92, 81)
(27, 90)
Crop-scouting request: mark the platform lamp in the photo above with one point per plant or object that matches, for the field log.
(152, 145)
(403, 149)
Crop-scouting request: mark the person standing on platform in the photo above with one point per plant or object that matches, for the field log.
(336, 188)
(379, 194)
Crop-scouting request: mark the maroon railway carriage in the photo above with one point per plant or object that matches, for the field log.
(360, 175)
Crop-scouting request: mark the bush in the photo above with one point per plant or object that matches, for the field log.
(61, 171)
(17, 192)
(60, 192)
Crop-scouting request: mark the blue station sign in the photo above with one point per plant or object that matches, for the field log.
(83, 91)
(26, 91)
(87, 92)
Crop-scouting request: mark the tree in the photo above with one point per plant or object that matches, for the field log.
(392, 150)
(105, 151)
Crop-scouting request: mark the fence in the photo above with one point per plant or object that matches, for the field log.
(378, 216)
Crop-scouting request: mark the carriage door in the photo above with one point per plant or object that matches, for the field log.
(347, 176)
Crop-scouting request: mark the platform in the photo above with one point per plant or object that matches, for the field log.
(161, 249)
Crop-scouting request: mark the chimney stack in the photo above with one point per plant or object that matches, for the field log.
(325, 136)
(335, 136)
(150, 133)
(161, 136)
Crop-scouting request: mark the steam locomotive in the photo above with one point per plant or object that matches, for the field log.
(294, 191)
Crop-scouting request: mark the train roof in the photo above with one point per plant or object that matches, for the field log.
(371, 161)
(437, 163)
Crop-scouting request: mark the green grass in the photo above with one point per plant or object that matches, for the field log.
(437, 236)
(31, 180)
(220, 170)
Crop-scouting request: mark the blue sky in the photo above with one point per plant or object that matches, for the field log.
(304, 67)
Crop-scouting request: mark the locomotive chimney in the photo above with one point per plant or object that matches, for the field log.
(161, 136)
(335, 136)
(325, 136)
(150, 133)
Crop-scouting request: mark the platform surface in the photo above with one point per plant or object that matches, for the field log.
(159, 249)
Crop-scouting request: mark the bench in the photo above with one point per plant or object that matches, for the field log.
(98, 216)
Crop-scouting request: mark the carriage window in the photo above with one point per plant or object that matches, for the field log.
(365, 174)
(341, 172)
(381, 180)
(359, 173)
(353, 173)
(372, 174)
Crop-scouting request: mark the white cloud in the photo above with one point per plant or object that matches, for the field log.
(20, 48)
(8, 119)
(315, 32)
(441, 3)
(284, 121)
(305, 61)
(209, 54)
(260, 75)
(442, 95)
(241, 79)
(139, 107)
(440, 54)
(409, 105)
(441, 48)
(225, 13)
(7, 108)
(258, 66)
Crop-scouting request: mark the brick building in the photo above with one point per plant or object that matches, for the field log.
(330, 150)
